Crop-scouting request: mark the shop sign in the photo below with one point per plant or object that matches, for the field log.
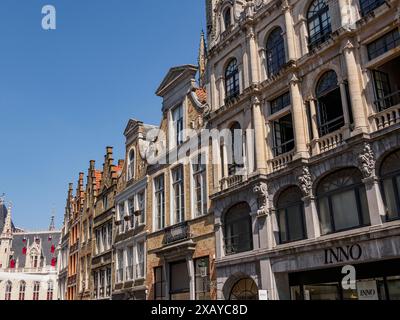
(367, 290)
(343, 254)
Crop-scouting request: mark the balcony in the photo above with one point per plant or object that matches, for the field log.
(281, 162)
(177, 233)
(389, 113)
(231, 181)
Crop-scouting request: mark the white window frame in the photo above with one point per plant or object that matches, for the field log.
(202, 154)
(173, 196)
(156, 226)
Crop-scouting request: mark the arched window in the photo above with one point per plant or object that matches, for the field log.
(319, 23)
(238, 230)
(36, 290)
(290, 215)
(8, 291)
(131, 165)
(50, 290)
(22, 288)
(244, 289)
(330, 107)
(227, 18)
(232, 79)
(275, 52)
(390, 175)
(236, 150)
(342, 201)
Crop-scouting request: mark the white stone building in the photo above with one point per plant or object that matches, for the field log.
(28, 261)
(318, 82)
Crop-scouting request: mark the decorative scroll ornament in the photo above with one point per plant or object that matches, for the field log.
(367, 160)
(262, 190)
(305, 181)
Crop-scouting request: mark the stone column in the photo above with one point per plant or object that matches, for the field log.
(291, 49)
(314, 125)
(255, 230)
(354, 81)
(192, 286)
(375, 202)
(268, 279)
(252, 49)
(300, 131)
(250, 138)
(311, 217)
(345, 107)
(259, 135)
(221, 89)
(219, 239)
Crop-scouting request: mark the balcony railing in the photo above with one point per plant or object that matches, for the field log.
(231, 181)
(330, 141)
(281, 162)
(177, 233)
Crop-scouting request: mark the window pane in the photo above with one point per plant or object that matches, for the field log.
(179, 277)
(295, 221)
(390, 198)
(326, 225)
(364, 206)
(345, 211)
(282, 225)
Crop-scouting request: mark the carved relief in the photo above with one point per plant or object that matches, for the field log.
(262, 190)
(305, 181)
(367, 160)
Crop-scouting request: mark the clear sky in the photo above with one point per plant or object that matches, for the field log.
(67, 94)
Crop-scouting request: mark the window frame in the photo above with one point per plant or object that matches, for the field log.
(232, 81)
(159, 202)
(323, 34)
(275, 52)
(178, 196)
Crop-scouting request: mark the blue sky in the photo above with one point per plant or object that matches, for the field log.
(67, 94)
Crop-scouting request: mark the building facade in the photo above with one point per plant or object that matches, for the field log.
(28, 261)
(180, 243)
(315, 81)
(103, 221)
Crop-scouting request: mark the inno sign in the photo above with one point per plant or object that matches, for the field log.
(343, 254)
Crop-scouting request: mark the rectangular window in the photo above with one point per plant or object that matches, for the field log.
(104, 238)
(178, 194)
(109, 235)
(129, 262)
(159, 196)
(141, 208)
(199, 188)
(280, 103)
(202, 275)
(370, 5)
(384, 44)
(179, 281)
(177, 118)
(140, 260)
(283, 135)
(383, 91)
(131, 205)
(98, 240)
(36, 290)
(108, 278)
(105, 203)
(159, 284)
(96, 284)
(120, 266)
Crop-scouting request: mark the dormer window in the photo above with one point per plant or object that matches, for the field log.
(177, 119)
(131, 165)
(228, 18)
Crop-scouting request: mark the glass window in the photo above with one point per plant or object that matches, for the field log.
(141, 208)
(36, 290)
(283, 135)
(22, 289)
(178, 194)
(393, 285)
(160, 202)
(280, 103)
(202, 275)
(319, 23)
(390, 174)
(290, 211)
(384, 44)
(245, 289)
(177, 118)
(236, 152)
(179, 281)
(276, 58)
(50, 290)
(140, 269)
(384, 98)
(228, 18)
(8, 291)
(232, 79)
(329, 100)
(238, 230)
(199, 188)
(342, 201)
(370, 5)
(131, 165)
(159, 284)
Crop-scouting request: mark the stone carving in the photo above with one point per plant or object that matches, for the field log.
(367, 160)
(262, 190)
(305, 181)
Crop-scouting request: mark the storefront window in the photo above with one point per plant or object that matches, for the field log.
(342, 201)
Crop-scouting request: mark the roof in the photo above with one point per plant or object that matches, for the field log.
(46, 243)
(174, 75)
(3, 215)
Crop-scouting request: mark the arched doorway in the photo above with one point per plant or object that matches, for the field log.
(244, 289)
